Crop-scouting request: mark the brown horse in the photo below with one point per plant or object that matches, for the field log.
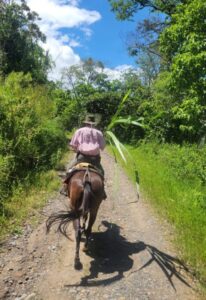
(85, 190)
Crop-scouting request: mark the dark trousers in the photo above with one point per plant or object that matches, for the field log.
(94, 160)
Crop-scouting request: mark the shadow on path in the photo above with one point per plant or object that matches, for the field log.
(111, 253)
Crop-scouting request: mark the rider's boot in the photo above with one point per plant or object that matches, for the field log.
(64, 189)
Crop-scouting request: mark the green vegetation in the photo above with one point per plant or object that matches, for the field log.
(173, 178)
(171, 52)
(27, 198)
(175, 108)
(31, 142)
(31, 138)
(167, 96)
(19, 41)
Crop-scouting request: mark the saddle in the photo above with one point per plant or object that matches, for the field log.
(82, 166)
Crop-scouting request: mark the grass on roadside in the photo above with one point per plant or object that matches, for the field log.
(28, 198)
(179, 196)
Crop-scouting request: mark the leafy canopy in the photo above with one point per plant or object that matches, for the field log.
(183, 45)
(19, 41)
(125, 9)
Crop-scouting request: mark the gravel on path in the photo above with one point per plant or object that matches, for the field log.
(130, 255)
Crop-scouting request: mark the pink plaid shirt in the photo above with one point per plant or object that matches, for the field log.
(88, 141)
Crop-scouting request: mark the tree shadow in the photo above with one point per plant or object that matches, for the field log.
(111, 254)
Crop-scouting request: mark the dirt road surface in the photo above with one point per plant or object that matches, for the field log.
(130, 254)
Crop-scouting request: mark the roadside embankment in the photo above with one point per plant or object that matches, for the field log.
(173, 179)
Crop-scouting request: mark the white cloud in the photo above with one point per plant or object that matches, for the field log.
(62, 55)
(87, 31)
(65, 14)
(57, 15)
(118, 71)
(72, 2)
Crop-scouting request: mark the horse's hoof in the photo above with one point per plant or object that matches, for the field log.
(78, 265)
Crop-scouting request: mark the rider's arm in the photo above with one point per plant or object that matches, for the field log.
(75, 141)
(102, 142)
(73, 148)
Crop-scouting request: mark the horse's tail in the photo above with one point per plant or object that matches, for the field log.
(87, 194)
(63, 218)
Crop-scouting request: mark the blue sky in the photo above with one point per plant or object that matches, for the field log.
(78, 29)
(108, 40)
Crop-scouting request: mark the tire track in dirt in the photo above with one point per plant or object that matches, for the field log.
(130, 256)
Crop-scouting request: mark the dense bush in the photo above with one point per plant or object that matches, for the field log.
(31, 138)
(68, 111)
(187, 162)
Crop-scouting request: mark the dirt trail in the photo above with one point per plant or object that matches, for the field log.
(130, 256)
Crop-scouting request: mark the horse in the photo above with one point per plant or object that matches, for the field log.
(85, 191)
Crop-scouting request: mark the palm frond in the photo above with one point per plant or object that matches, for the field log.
(126, 121)
(120, 107)
(113, 139)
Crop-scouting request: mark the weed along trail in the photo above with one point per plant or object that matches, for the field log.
(130, 256)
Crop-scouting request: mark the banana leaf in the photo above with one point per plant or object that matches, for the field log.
(113, 139)
(127, 121)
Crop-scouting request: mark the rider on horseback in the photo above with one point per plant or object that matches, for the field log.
(87, 142)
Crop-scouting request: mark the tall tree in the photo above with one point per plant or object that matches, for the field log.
(183, 44)
(150, 66)
(88, 72)
(19, 41)
(84, 80)
(144, 39)
(143, 42)
(125, 9)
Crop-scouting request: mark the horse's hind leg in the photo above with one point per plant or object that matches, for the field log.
(77, 263)
(92, 218)
(84, 222)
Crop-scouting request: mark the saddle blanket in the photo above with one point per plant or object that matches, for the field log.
(82, 165)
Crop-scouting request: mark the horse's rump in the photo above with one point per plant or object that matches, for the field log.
(80, 181)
